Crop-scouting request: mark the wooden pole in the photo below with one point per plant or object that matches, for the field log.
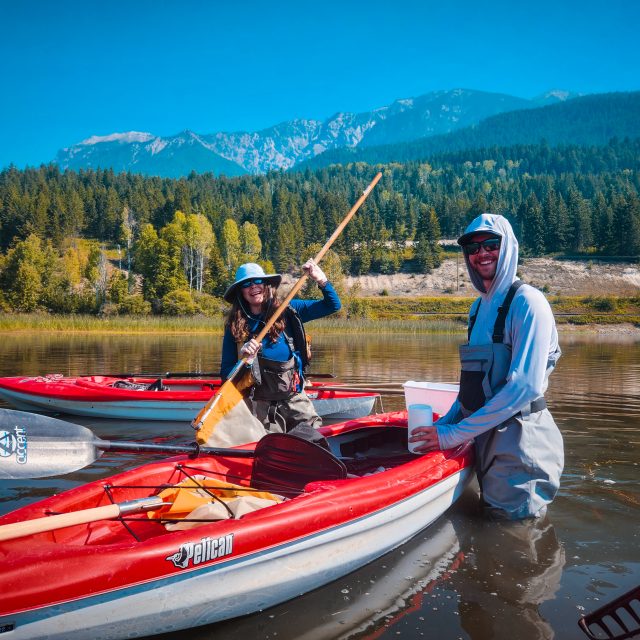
(199, 421)
(62, 520)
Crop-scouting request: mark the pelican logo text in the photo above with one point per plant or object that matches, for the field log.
(196, 553)
(14, 443)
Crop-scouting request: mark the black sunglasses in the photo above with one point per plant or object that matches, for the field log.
(490, 244)
(248, 283)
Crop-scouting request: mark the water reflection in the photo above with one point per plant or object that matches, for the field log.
(511, 569)
(44, 353)
(374, 599)
(460, 576)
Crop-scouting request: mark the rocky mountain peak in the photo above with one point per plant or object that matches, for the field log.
(286, 144)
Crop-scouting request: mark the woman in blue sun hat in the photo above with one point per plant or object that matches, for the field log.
(279, 362)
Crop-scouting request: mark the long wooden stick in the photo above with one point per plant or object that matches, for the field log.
(200, 419)
(298, 285)
(62, 520)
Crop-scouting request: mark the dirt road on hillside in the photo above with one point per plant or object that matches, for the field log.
(555, 277)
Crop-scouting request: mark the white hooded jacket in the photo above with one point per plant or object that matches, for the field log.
(530, 330)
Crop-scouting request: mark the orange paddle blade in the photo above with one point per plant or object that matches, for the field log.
(227, 420)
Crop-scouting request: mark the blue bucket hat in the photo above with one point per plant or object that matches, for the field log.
(249, 271)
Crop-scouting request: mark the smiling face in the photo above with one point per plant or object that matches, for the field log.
(254, 295)
(485, 261)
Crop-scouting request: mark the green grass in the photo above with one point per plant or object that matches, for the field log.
(388, 307)
(577, 310)
(379, 314)
(191, 325)
(113, 324)
(372, 326)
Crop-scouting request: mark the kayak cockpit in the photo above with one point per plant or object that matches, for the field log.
(277, 467)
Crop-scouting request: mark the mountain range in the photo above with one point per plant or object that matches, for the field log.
(289, 143)
(437, 121)
(592, 120)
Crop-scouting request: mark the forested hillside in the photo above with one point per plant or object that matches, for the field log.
(62, 234)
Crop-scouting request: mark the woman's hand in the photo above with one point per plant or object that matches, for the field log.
(427, 437)
(250, 349)
(314, 272)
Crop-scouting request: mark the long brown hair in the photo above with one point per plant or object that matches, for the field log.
(237, 319)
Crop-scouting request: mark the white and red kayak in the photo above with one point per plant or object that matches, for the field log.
(132, 398)
(131, 577)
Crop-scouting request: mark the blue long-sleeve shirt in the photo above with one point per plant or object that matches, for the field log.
(279, 350)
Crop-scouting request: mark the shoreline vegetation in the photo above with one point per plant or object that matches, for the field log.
(380, 314)
(104, 243)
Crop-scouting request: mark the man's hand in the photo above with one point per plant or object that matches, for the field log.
(427, 437)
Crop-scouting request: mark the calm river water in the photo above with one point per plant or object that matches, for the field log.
(462, 577)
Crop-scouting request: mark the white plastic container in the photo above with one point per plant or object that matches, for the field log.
(420, 415)
(439, 395)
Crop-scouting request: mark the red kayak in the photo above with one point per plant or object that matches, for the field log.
(176, 399)
(131, 576)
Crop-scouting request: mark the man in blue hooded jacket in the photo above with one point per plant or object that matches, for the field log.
(512, 349)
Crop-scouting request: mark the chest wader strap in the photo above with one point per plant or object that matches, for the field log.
(503, 310)
(298, 381)
(272, 411)
(472, 322)
(300, 342)
(498, 337)
(289, 340)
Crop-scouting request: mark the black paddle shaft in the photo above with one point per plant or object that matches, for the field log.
(193, 449)
(181, 374)
(163, 374)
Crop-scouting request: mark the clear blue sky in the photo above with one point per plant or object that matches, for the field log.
(73, 69)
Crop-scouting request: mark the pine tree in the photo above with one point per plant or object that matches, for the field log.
(554, 233)
(530, 213)
(626, 215)
(603, 224)
(287, 250)
(580, 221)
(427, 249)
